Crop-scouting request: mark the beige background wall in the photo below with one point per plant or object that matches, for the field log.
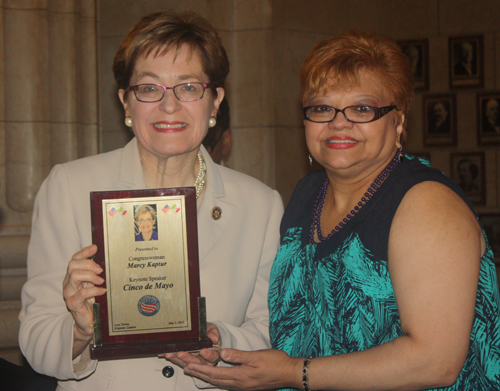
(58, 98)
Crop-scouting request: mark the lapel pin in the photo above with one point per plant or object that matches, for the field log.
(216, 213)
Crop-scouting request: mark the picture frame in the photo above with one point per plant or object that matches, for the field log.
(466, 62)
(491, 224)
(468, 171)
(440, 120)
(417, 52)
(488, 118)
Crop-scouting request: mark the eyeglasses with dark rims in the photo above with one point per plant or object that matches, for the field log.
(185, 92)
(356, 114)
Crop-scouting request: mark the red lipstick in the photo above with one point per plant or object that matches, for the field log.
(340, 142)
(169, 126)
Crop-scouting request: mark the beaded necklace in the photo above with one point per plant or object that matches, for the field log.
(320, 200)
(199, 184)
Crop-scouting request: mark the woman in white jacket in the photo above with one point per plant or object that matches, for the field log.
(170, 70)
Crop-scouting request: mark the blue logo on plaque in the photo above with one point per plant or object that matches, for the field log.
(148, 305)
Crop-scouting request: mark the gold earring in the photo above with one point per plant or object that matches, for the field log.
(128, 121)
(211, 122)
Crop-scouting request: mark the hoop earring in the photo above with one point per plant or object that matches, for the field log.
(128, 121)
(310, 160)
(211, 122)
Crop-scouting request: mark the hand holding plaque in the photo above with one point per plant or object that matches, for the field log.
(80, 287)
(148, 247)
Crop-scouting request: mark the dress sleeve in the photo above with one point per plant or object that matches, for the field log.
(46, 333)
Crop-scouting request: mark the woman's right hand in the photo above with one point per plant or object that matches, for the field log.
(79, 292)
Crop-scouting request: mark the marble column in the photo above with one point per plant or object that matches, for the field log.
(87, 139)
(63, 89)
(25, 96)
(50, 90)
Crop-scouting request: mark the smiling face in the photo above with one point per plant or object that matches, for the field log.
(348, 148)
(170, 127)
(146, 222)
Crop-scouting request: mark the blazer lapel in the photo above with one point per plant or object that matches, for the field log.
(130, 173)
(209, 229)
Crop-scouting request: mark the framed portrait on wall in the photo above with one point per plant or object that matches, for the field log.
(488, 118)
(440, 124)
(466, 61)
(417, 52)
(491, 224)
(468, 171)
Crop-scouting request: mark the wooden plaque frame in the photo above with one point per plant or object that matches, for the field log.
(107, 345)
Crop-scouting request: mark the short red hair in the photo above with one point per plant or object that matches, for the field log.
(337, 63)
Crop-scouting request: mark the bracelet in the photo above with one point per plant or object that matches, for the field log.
(305, 374)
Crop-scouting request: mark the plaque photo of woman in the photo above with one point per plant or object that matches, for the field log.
(145, 223)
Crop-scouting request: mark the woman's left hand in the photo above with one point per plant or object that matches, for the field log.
(257, 370)
(204, 356)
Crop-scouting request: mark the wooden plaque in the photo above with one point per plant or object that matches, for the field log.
(148, 248)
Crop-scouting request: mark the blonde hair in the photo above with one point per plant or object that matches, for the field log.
(145, 209)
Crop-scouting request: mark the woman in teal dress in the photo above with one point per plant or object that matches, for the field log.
(384, 279)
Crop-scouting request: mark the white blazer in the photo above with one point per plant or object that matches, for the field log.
(236, 253)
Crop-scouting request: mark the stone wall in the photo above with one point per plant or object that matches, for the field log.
(48, 115)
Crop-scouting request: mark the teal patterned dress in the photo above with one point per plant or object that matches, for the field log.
(336, 297)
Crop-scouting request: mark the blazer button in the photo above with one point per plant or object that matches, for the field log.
(168, 371)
